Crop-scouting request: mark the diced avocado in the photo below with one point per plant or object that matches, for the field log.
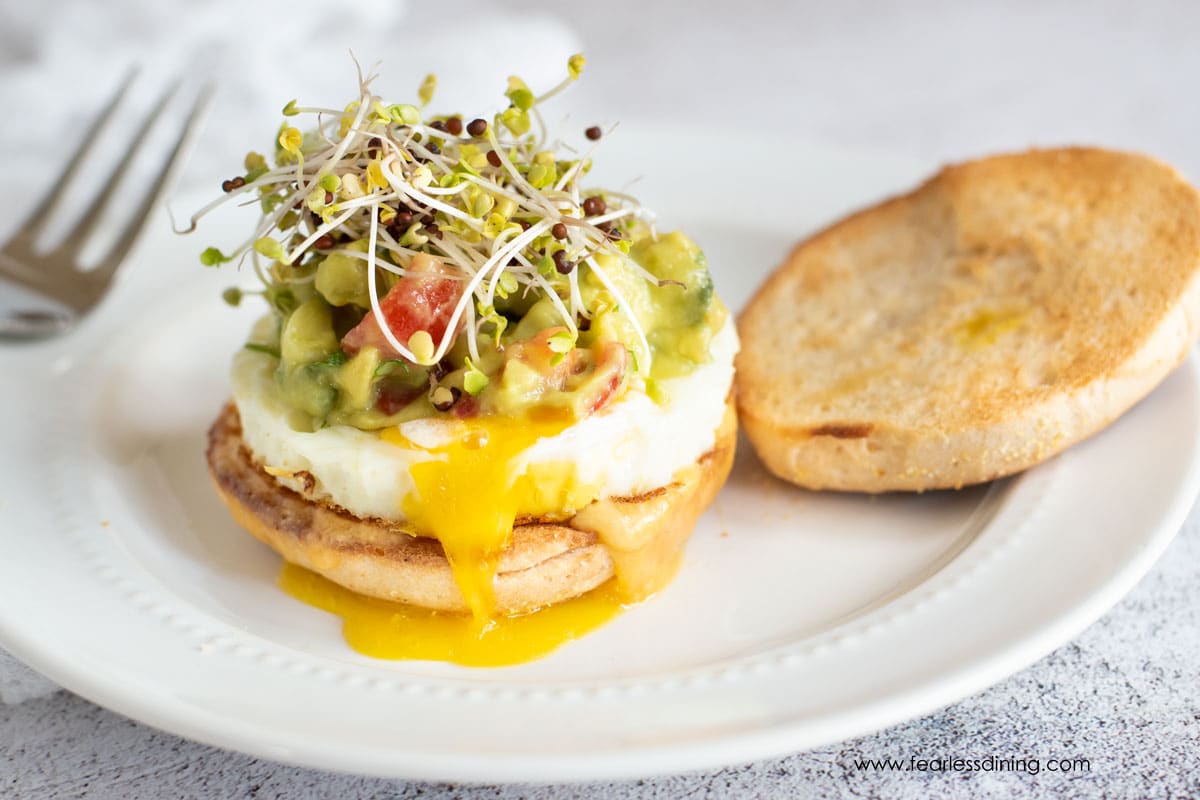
(540, 316)
(307, 388)
(676, 258)
(520, 385)
(372, 419)
(490, 356)
(634, 292)
(342, 279)
(516, 305)
(612, 325)
(323, 386)
(308, 334)
(684, 314)
(678, 318)
(584, 381)
(355, 377)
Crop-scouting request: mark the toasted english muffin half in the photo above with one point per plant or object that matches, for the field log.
(548, 561)
(997, 314)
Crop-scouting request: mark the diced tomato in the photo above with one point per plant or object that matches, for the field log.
(594, 374)
(611, 362)
(422, 300)
(538, 355)
(394, 397)
(466, 407)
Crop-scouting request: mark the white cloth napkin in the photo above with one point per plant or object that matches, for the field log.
(60, 67)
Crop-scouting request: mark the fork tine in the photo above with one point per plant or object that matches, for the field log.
(36, 221)
(159, 188)
(103, 198)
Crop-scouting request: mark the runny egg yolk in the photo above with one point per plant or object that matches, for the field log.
(469, 497)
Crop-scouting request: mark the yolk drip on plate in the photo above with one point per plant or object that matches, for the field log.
(469, 496)
(396, 631)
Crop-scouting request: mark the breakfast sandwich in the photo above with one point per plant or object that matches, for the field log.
(481, 388)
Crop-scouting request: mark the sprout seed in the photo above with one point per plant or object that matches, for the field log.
(444, 397)
(561, 263)
(371, 166)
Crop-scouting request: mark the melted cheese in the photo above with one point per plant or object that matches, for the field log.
(646, 548)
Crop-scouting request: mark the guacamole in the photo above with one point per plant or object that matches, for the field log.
(421, 265)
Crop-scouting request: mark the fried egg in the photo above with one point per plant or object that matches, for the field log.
(632, 447)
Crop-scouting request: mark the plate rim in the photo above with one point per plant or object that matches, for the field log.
(968, 677)
(790, 736)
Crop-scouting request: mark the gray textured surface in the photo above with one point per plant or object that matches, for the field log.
(939, 81)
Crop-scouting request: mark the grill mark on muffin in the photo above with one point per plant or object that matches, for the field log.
(644, 496)
(255, 494)
(307, 478)
(843, 430)
(415, 550)
(650, 495)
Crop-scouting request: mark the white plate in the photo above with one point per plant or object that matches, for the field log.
(798, 619)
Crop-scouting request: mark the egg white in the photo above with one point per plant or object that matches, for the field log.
(634, 446)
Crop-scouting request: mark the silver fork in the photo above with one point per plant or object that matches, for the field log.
(57, 275)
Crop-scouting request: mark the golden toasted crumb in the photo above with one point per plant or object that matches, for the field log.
(1002, 311)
